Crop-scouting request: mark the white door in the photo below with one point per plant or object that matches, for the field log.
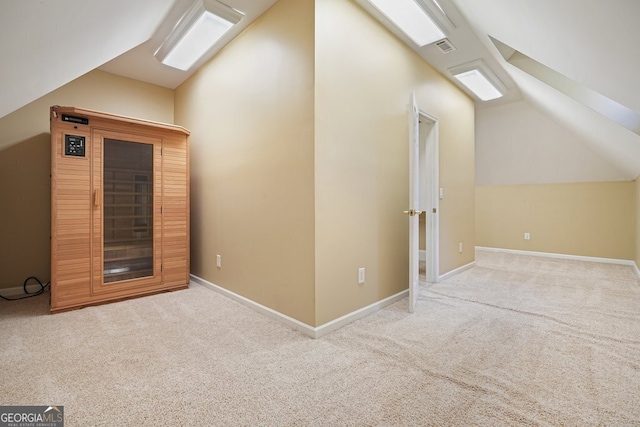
(414, 202)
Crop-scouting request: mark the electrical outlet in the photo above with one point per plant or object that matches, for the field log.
(361, 276)
(527, 236)
(460, 247)
(218, 261)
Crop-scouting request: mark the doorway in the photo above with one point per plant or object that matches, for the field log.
(424, 197)
(429, 195)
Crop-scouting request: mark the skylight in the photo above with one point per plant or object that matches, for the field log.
(197, 40)
(198, 30)
(478, 84)
(411, 19)
(479, 79)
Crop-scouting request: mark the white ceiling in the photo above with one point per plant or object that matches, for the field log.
(593, 43)
(590, 42)
(140, 64)
(46, 44)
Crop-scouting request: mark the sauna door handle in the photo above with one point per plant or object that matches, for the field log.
(96, 197)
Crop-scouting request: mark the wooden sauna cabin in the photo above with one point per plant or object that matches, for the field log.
(119, 207)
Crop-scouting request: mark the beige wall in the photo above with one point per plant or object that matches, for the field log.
(587, 219)
(364, 77)
(251, 114)
(299, 160)
(535, 174)
(25, 164)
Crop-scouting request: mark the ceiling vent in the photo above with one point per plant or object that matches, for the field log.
(445, 46)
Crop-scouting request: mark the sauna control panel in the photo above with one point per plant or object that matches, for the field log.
(74, 145)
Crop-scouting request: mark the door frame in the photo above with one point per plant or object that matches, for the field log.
(430, 170)
(424, 196)
(98, 137)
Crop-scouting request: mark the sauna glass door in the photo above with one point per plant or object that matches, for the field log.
(128, 210)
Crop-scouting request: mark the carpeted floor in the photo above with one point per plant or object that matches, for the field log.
(515, 341)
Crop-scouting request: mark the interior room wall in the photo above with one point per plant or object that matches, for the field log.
(533, 173)
(250, 111)
(25, 164)
(586, 219)
(364, 78)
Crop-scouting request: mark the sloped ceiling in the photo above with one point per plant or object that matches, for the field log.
(46, 44)
(591, 42)
(140, 64)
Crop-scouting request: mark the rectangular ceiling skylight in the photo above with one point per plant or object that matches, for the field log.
(478, 84)
(201, 26)
(204, 33)
(411, 19)
(479, 79)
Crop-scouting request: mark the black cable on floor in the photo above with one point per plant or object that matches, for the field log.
(28, 294)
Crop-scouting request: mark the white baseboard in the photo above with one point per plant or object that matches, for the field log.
(457, 271)
(558, 256)
(423, 255)
(311, 331)
(635, 267)
(13, 292)
(358, 314)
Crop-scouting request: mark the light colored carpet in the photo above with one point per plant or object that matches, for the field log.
(514, 341)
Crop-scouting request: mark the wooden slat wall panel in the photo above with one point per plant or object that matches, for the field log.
(71, 211)
(175, 168)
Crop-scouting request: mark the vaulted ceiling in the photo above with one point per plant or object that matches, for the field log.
(590, 43)
(46, 44)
